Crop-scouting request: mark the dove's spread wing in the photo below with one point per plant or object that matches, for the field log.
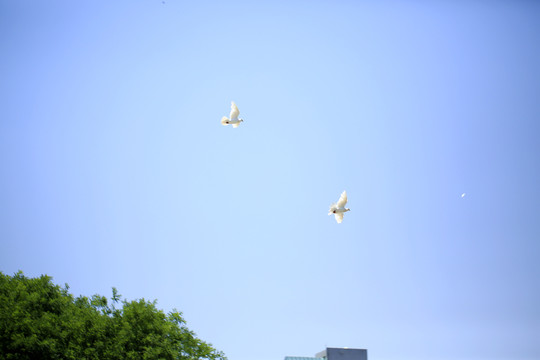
(339, 217)
(234, 111)
(342, 200)
(224, 120)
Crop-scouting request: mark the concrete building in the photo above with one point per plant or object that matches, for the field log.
(335, 354)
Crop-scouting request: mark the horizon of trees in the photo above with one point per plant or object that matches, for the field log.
(41, 320)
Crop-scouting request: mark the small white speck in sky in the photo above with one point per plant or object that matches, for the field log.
(463, 195)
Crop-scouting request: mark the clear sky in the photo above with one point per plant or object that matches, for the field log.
(116, 171)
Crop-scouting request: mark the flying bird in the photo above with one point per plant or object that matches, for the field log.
(234, 120)
(338, 209)
(463, 195)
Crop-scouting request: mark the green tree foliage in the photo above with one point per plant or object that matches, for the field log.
(40, 320)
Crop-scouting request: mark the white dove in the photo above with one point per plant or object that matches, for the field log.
(234, 120)
(338, 209)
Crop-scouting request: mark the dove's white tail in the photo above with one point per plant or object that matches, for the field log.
(225, 121)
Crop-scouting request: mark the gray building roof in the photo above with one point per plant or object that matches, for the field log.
(334, 354)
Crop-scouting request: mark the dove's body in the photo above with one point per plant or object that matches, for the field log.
(235, 123)
(338, 209)
(233, 117)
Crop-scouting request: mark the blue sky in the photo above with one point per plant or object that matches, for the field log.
(117, 172)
